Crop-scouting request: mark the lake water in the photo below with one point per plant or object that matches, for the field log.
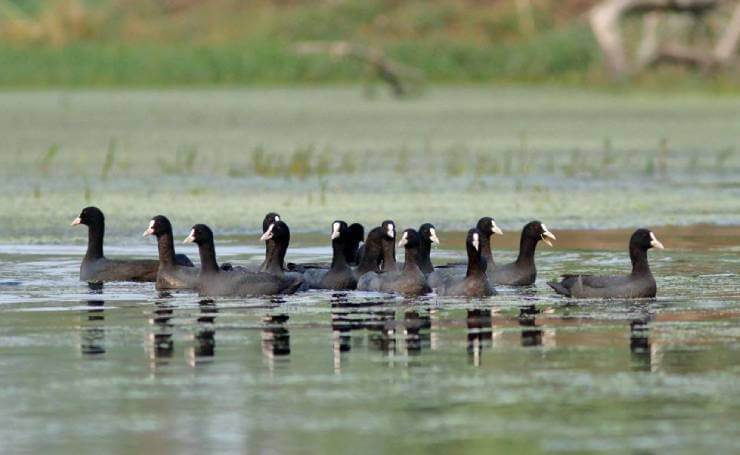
(123, 369)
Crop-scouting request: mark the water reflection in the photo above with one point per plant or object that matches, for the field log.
(416, 331)
(480, 333)
(92, 331)
(275, 339)
(640, 349)
(531, 334)
(204, 341)
(160, 346)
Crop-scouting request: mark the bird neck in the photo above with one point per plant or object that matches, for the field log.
(424, 253)
(371, 255)
(389, 255)
(95, 233)
(338, 257)
(166, 247)
(274, 257)
(208, 264)
(639, 259)
(485, 249)
(527, 245)
(411, 261)
(476, 264)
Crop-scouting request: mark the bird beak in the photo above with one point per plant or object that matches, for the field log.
(76, 221)
(390, 233)
(190, 238)
(497, 230)
(149, 230)
(268, 233)
(655, 243)
(433, 237)
(334, 231)
(547, 236)
(404, 240)
(476, 244)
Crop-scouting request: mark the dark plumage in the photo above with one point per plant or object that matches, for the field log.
(388, 245)
(371, 252)
(277, 239)
(428, 235)
(638, 284)
(487, 227)
(340, 275)
(409, 281)
(213, 281)
(96, 268)
(523, 272)
(170, 275)
(475, 282)
(269, 220)
(352, 245)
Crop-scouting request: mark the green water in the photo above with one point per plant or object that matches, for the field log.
(123, 369)
(571, 158)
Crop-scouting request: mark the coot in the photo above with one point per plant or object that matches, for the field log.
(638, 284)
(523, 272)
(213, 281)
(410, 281)
(475, 282)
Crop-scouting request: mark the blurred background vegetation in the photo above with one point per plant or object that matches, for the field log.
(71, 43)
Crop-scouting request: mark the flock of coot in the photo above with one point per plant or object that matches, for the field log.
(366, 263)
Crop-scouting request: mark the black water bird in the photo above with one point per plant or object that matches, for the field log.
(388, 245)
(170, 274)
(371, 252)
(213, 281)
(95, 267)
(428, 235)
(475, 282)
(352, 245)
(409, 281)
(640, 283)
(340, 275)
(487, 227)
(523, 272)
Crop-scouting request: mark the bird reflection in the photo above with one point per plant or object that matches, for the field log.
(530, 336)
(275, 338)
(640, 350)
(161, 346)
(416, 330)
(479, 333)
(204, 342)
(92, 333)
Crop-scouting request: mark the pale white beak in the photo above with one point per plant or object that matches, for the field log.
(391, 232)
(76, 221)
(268, 233)
(277, 218)
(190, 238)
(149, 230)
(495, 229)
(433, 236)
(404, 240)
(655, 243)
(547, 236)
(335, 231)
(476, 242)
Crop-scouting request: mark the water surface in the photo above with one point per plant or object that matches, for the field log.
(121, 368)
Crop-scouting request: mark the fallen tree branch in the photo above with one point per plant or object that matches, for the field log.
(393, 73)
(605, 20)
